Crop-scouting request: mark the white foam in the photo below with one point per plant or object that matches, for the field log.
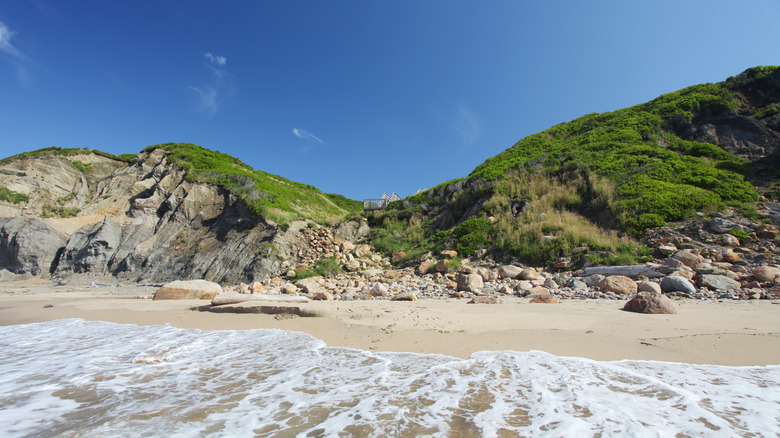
(72, 377)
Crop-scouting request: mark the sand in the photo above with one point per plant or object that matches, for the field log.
(706, 332)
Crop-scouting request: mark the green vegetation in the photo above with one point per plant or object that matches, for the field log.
(271, 196)
(659, 176)
(81, 166)
(327, 267)
(11, 196)
(575, 189)
(739, 234)
(66, 152)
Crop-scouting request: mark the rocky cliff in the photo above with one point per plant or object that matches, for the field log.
(93, 216)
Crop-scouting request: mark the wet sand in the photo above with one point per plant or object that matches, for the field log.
(707, 332)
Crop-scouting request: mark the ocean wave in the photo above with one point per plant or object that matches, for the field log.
(78, 378)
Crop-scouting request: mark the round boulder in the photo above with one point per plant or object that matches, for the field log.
(652, 303)
(674, 283)
(188, 290)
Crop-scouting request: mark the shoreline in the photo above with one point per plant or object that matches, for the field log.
(736, 333)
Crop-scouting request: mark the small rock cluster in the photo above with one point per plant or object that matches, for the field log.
(323, 244)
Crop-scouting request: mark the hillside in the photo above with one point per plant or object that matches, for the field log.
(589, 188)
(172, 211)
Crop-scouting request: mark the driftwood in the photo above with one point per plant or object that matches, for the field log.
(633, 271)
(235, 298)
(268, 310)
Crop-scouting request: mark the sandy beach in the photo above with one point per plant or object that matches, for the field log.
(704, 332)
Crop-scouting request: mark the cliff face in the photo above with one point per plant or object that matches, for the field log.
(142, 222)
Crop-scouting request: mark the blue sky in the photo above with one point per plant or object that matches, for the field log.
(355, 97)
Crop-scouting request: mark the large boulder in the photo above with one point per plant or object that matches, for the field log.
(674, 283)
(688, 258)
(543, 295)
(648, 302)
(719, 282)
(766, 273)
(28, 246)
(188, 290)
(470, 282)
(721, 226)
(509, 271)
(618, 284)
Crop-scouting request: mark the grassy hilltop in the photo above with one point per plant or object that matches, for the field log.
(585, 188)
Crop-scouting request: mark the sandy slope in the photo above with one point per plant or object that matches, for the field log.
(728, 333)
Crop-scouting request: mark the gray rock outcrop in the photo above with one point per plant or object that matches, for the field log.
(29, 246)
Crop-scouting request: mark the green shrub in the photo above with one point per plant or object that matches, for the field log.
(11, 196)
(326, 267)
(739, 234)
(81, 166)
(472, 235)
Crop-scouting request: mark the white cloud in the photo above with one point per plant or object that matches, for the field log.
(5, 41)
(467, 126)
(222, 84)
(214, 59)
(300, 133)
(14, 55)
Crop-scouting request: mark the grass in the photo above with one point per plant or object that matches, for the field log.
(325, 267)
(67, 152)
(11, 196)
(268, 195)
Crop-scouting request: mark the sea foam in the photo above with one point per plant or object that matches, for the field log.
(78, 378)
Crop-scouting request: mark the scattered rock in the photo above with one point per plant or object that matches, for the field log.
(379, 290)
(483, 300)
(649, 286)
(543, 295)
(405, 296)
(720, 282)
(470, 282)
(766, 273)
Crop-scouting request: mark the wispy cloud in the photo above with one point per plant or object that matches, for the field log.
(308, 136)
(222, 84)
(13, 54)
(467, 126)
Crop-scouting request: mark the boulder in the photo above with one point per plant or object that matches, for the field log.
(487, 274)
(483, 300)
(289, 289)
(379, 290)
(257, 287)
(441, 266)
(720, 225)
(528, 274)
(543, 295)
(766, 273)
(322, 296)
(424, 267)
(399, 256)
(470, 282)
(352, 266)
(649, 286)
(618, 284)
(688, 258)
(719, 282)
(449, 254)
(188, 290)
(405, 296)
(652, 303)
(509, 271)
(674, 283)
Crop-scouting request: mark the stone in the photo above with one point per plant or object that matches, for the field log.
(729, 240)
(483, 300)
(379, 290)
(352, 266)
(543, 295)
(289, 289)
(649, 286)
(424, 267)
(370, 273)
(399, 256)
(551, 284)
(188, 290)
(449, 253)
(651, 303)
(720, 226)
(594, 280)
(688, 258)
(674, 283)
(577, 284)
(766, 273)
(441, 266)
(618, 284)
(509, 271)
(322, 296)
(719, 282)
(347, 246)
(487, 274)
(528, 274)
(405, 296)
(470, 282)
